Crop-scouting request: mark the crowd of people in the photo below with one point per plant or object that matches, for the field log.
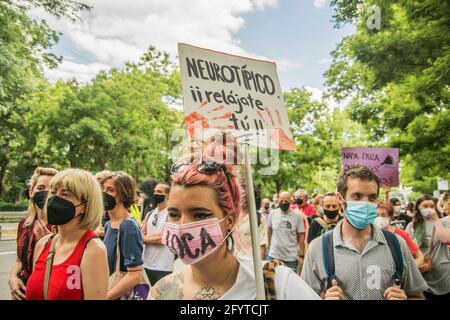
(102, 236)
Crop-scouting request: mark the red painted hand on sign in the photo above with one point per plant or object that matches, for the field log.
(277, 135)
(204, 118)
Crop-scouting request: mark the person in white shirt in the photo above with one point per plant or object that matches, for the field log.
(158, 260)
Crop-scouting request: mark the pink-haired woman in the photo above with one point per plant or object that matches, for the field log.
(204, 206)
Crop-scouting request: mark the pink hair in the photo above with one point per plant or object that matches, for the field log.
(230, 201)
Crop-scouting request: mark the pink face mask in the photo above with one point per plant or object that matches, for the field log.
(193, 241)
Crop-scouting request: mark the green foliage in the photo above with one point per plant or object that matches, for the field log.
(398, 79)
(320, 132)
(18, 206)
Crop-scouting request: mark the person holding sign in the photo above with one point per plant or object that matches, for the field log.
(357, 260)
(203, 208)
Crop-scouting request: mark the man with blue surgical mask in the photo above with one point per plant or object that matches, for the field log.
(357, 260)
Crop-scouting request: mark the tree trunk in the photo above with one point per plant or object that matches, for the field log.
(3, 165)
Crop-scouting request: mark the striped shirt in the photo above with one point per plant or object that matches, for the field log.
(362, 275)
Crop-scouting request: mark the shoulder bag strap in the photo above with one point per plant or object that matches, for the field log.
(48, 265)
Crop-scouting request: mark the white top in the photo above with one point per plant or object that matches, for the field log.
(288, 285)
(157, 256)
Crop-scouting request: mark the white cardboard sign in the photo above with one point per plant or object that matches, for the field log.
(236, 94)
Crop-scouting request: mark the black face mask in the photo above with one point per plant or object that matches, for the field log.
(331, 214)
(285, 206)
(267, 207)
(60, 211)
(109, 202)
(298, 201)
(39, 198)
(159, 198)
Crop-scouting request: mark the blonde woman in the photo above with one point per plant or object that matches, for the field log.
(78, 261)
(31, 228)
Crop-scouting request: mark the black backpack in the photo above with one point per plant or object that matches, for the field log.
(328, 256)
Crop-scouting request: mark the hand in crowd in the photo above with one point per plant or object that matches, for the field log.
(334, 293)
(40, 230)
(17, 288)
(433, 214)
(395, 293)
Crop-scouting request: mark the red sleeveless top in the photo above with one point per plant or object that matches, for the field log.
(65, 278)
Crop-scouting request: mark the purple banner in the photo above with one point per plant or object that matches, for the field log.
(382, 161)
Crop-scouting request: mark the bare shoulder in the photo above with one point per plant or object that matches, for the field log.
(95, 248)
(40, 246)
(169, 288)
(96, 245)
(41, 243)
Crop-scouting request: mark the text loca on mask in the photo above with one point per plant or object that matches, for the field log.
(183, 246)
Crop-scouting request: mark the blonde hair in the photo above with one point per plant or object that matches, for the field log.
(39, 171)
(85, 188)
(102, 175)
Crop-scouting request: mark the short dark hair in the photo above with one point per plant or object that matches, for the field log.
(394, 201)
(357, 171)
(125, 185)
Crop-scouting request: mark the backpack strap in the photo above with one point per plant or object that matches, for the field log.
(49, 263)
(322, 222)
(396, 252)
(328, 256)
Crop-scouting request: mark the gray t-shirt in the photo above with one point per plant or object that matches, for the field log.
(438, 279)
(361, 275)
(285, 229)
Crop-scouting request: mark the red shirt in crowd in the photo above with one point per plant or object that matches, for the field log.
(26, 241)
(411, 245)
(307, 209)
(65, 278)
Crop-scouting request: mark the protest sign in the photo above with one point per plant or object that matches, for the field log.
(236, 94)
(382, 161)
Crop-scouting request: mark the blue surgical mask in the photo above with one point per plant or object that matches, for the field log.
(425, 213)
(361, 214)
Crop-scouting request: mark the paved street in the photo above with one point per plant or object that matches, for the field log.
(7, 258)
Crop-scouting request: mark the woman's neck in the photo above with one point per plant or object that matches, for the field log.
(70, 232)
(118, 214)
(219, 270)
